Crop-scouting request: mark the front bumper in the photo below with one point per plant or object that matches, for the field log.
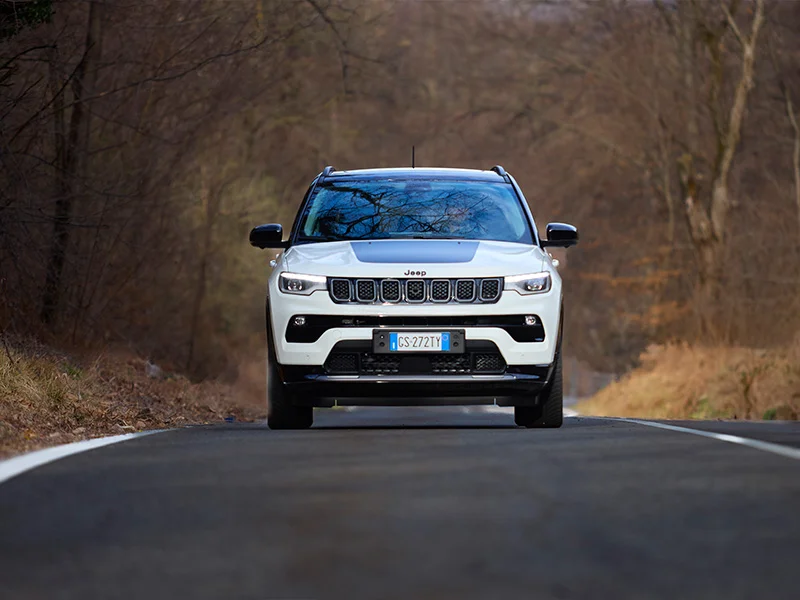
(519, 386)
(283, 307)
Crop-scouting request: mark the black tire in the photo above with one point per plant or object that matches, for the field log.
(549, 413)
(281, 411)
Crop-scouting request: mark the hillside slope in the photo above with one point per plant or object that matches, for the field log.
(683, 381)
(48, 397)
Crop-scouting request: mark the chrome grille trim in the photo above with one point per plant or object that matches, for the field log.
(376, 290)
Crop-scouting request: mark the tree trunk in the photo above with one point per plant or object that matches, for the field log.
(70, 160)
(708, 227)
(687, 59)
(796, 153)
(211, 199)
(708, 247)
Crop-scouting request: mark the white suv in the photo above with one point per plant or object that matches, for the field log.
(403, 287)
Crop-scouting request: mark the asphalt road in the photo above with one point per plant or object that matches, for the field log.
(410, 503)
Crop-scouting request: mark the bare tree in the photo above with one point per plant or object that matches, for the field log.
(72, 148)
(708, 223)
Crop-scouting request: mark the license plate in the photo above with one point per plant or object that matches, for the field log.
(419, 342)
(389, 342)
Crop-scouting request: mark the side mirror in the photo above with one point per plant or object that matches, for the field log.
(267, 236)
(560, 235)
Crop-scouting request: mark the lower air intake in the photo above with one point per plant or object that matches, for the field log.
(342, 364)
(489, 363)
(450, 364)
(380, 364)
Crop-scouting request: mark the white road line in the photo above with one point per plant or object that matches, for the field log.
(20, 464)
(786, 451)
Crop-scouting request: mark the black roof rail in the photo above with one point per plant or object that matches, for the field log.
(327, 171)
(499, 170)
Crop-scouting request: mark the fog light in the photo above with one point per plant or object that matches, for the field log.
(299, 321)
(530, 319)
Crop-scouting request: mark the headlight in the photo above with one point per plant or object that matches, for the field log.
(535, 283)
(303, 285)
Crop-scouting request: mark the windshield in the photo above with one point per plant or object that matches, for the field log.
(416, 209)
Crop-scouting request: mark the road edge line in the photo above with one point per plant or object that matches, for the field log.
(787, 451)
(17, 465)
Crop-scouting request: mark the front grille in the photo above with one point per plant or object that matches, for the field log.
(415, 291)
(490, 289)
(366, 290)
(440, 290)
(390, 290)
(340, 290)
(465, 290)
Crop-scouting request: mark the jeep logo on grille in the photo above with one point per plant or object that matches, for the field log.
(415, 273)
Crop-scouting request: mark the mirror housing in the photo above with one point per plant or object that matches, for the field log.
(267, 236)
(560, 235)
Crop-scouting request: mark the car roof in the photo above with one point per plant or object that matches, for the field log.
(415, 173)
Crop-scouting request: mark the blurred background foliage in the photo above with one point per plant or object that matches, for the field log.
(140, 141)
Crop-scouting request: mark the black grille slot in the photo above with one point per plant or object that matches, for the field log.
(465, 290)
(452, 363)
(343, 364)
(340, 290)
(490, 289)
(489, 363)
(378, 364)
(415, 290)
(365, 290)
(440, 290)
(390, 290)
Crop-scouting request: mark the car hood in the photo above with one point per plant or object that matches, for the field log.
(415, 258)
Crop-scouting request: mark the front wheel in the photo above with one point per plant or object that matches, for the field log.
(281, 412)
(549, 413)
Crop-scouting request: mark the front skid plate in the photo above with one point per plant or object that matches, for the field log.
(520, 391)
(439, 401)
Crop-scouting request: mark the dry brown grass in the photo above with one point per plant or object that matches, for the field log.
(682, 381)
(48, 398)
